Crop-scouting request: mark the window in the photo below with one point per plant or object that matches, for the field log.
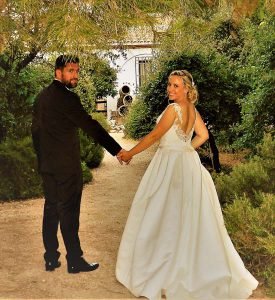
(143, 66)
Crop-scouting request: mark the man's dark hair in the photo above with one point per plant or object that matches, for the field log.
(62, 60)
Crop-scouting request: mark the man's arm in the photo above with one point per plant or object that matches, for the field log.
(76, 113)
(35, 127)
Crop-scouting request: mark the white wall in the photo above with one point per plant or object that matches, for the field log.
(127, 73)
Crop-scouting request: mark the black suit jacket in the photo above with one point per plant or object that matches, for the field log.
(57, 115)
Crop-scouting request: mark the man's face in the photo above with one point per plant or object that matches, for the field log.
(68, 75)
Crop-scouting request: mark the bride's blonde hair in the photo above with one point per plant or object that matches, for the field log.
(187, 78)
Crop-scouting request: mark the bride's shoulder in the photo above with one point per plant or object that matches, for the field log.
(172, 107)
(170, 111)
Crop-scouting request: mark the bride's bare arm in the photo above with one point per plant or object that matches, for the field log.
(201, 132)
(161, 128)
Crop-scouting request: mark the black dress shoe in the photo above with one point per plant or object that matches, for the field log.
(52, 265)
(81, 266)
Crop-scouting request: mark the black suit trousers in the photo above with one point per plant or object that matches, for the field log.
(62, 206)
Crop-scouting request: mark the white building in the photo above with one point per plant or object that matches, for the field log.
(132, 63)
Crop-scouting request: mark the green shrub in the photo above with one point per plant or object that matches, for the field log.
(97, 81)
(252, 231)
(101, 118)
(86, 173)
(252, 177)
(17, 93)
(91, 152)
(18, 172)
(211, 71)
(255, 69)
(248, 193)
(136, 123)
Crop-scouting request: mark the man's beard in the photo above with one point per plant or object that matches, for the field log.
(70, 84)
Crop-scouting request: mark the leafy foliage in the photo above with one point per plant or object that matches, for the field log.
(252, 231)
(250, 178)
(101, 119)
(232, 60)
(247, 195)
(91, 152)
(217, 84)
(103, 78)
(19, 177)
(86, 173)
(97, 80)
(137, 122)
(250, 46)
(43, 26)
(17, 93)
(227, 39)
(256, 70)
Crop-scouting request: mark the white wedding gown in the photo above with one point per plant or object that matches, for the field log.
(175, 239)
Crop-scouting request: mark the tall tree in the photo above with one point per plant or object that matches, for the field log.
(30, 28)
(35, 29)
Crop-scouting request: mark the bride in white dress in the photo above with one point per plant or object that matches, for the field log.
(175, 241)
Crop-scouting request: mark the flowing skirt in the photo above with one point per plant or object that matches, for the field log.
(175, 239)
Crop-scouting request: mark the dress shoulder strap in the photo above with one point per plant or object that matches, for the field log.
(178, 110)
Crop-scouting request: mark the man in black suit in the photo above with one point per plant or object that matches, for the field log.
(57, 115)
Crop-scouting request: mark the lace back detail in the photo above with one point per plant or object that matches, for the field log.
(178, 124)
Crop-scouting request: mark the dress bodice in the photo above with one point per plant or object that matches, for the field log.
(175, 137)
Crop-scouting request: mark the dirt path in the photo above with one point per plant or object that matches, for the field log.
(105, 205)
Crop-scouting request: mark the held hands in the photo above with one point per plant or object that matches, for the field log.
(124, 156)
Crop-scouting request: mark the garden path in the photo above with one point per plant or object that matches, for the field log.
(105, 206)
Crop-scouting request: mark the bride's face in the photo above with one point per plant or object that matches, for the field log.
(176, 89)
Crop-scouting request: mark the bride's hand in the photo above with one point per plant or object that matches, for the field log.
(125, 156)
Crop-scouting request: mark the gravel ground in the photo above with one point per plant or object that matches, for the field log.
(105, 206)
